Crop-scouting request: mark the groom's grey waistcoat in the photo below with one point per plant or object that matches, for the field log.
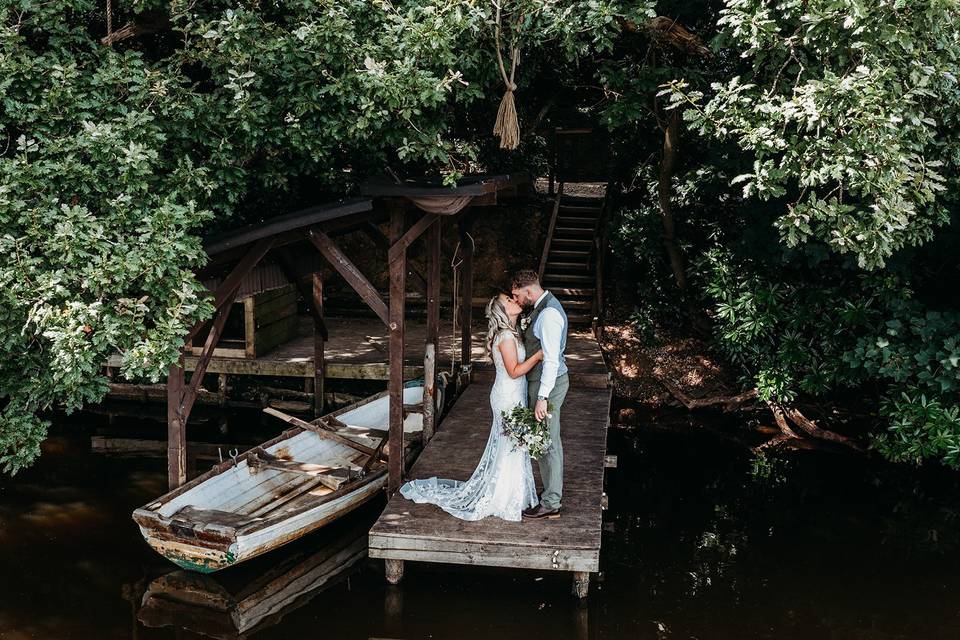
(532, 344)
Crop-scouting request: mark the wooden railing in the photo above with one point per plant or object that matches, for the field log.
(553, 224)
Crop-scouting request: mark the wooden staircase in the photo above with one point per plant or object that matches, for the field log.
(568, 266)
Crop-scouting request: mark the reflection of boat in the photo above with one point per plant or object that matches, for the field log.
(301, 480)
(220, 609)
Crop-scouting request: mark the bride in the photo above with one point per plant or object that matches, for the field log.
(502, 484)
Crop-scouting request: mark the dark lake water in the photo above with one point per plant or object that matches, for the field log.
(700, 541)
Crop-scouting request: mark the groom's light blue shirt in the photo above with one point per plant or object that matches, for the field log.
(550, 329)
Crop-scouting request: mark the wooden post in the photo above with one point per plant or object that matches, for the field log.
(176, 427)
(466, 303)
(222, 387)
(394, 569)
(581, 583)
(432, 347)
(398, 271)
(180, 396)
(319, 366)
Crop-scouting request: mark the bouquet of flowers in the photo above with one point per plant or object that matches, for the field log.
(522, 426)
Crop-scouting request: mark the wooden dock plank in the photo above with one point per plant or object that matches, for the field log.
(423, 532)
(357, 349)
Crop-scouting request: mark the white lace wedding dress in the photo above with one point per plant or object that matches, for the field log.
(502, 484)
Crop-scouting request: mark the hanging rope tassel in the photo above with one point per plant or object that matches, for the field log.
(507, 126)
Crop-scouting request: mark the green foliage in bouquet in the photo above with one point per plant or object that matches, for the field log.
(522, 426)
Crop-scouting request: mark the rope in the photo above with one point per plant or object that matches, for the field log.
(507, 125)
(109, 17)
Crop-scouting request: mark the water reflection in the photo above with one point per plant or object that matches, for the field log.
(245, 602)
(699, 542)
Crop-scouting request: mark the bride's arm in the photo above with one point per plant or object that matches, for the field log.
(508, 349)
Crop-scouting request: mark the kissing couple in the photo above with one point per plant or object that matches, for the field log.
(526, 338)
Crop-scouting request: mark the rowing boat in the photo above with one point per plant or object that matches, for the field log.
(308, 476)
(259, 594)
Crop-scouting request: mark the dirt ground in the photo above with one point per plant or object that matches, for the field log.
(685, 359)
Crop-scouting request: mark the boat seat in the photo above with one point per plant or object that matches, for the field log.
(209, 520)
(329, 476)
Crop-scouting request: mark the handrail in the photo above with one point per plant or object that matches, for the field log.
(553, 224)
(600, 241)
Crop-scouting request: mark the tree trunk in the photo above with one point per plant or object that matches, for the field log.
(668, 164)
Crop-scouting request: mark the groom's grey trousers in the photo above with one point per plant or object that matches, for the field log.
(551, 462)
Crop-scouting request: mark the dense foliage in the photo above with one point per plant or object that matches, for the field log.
(813, 194)
(819, 207)
(116, 159)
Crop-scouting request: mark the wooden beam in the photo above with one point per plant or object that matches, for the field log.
(345, 267)
(375, 456)
(319, 336)
(306, 292)
(176, 428)
(399, 246)
(332, 477)
(196, 378)
(288, 222)
(373, 232)
(429, 390)
(398, 271)
(321, 431)
(466, 303)
(227, 290)
(432, 346)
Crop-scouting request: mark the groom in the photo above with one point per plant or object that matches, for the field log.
(547, 383)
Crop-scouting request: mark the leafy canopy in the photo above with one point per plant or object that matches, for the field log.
(850, 111)
(115, 160)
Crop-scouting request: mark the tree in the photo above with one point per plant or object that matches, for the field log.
(847, 115)
(850, 112)
(118, 158)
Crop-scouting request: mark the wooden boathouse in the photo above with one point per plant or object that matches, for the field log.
(290, 252)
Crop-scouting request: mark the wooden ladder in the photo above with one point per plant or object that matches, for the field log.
(570, 260)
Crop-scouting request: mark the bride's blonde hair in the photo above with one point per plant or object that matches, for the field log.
(497, 321)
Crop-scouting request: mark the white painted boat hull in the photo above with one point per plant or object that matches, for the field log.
(237, 511)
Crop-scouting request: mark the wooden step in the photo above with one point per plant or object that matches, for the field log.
(576, 231)
(580, 317)
(573, 208)
(567, 291)
(575, 304)
(564, 277)
(572, 242)
(563, 220)
(569, 254)
(582, 266)
(582, 201)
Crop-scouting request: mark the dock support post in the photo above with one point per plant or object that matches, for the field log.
(466, 304)
(581, 583)
(394, 570)
(319, 366)
(434, 239)
(398, 272)
(176, 427)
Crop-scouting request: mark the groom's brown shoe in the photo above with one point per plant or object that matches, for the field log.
(541, 511)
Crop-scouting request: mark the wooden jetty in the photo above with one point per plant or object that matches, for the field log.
(422, 532)
(289, 251)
